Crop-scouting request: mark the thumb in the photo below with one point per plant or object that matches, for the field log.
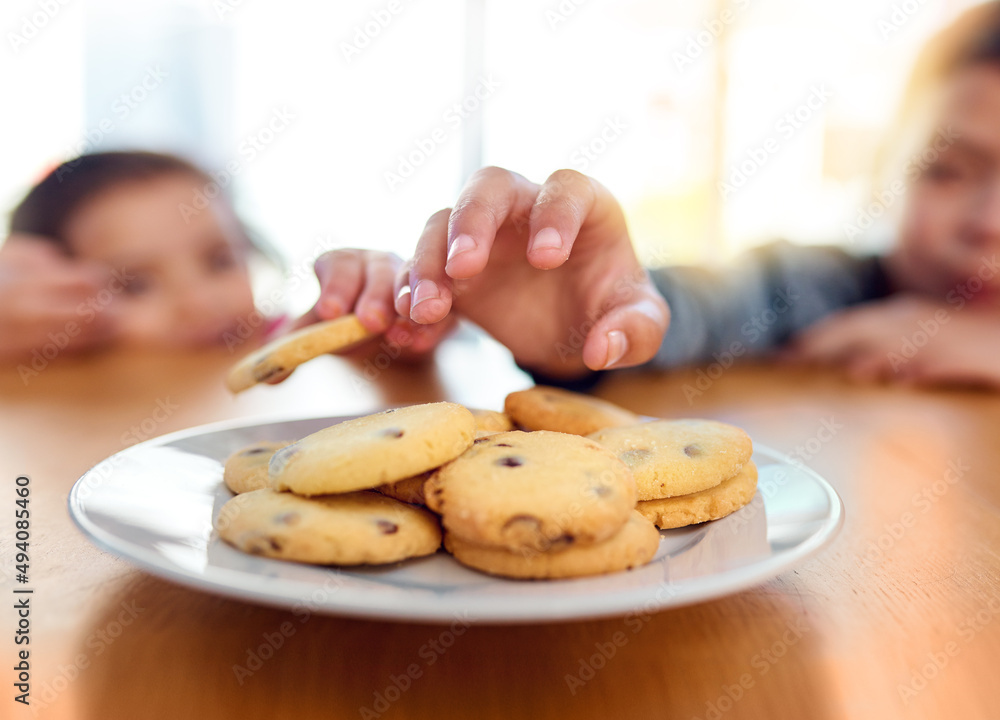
(628, 334)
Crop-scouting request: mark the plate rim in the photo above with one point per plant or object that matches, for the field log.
(615, 604)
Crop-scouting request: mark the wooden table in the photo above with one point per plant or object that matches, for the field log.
(900, 617)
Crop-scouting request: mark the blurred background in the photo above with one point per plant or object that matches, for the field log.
(718, 124)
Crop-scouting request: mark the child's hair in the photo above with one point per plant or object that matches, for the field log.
(50, 205)
(973, 38)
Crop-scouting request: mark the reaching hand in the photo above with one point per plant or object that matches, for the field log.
(548, 270)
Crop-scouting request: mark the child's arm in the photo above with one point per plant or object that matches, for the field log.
(909, 339)
(760, 301)
(49, 300)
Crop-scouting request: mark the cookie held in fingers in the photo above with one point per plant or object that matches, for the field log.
(712, 504)
(678, 457)
(533, 490)
(352, 529)
(548, 408)
(633, 545)
(246, 469)
(373, 450)
(279, 358)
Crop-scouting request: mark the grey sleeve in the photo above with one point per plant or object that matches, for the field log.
(761, 301)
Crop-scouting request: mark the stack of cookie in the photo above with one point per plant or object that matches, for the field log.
(686, 471)
(309, 500)
(541, 505)
(558, 485)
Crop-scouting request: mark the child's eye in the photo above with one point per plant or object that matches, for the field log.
(220, 259)
(137, 285)
(941, 172)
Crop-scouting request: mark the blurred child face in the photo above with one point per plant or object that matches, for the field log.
(951, 226)
(179, 281)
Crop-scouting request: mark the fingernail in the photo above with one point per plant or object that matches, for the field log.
(546, 238)
(425, 290)
(461, 244)
(617, 347)
(403, 291)
(331, 307)
(377, 315)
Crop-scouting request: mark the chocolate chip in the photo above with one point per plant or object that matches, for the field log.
(510, 461)
(560, 542)
(259, 545)
(263, 374)
(387, 528)
(632, 457)
(692, 451)
(477, 441)
(393, 432)
(254, 451)
(527, 523)
(503, 445)
(281, 458)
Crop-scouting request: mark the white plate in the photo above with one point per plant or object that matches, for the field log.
(154, 505)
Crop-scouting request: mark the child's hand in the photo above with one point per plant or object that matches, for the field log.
(361, 281)
(907, 339)
(562, 288)
(44, 300)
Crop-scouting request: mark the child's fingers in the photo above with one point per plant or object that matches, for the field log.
(828, 342)
(490, 197)
(563, 204)
(430, 287)
(341, 275)
(374, 306)
(415, 340)
(401, 290)
(629, 334)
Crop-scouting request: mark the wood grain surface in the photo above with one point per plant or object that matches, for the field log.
(898, 618)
